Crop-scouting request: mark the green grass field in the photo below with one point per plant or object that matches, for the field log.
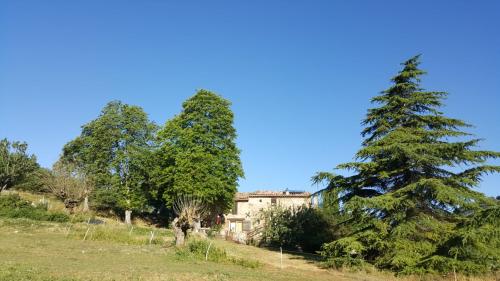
(34, 250)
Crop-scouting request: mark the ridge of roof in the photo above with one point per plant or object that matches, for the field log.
(265, 193)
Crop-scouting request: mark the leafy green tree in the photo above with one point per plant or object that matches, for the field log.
(301, 227)
(111, 149)
(15, 163)
(409, 196)
(198, 155)
(34, 181)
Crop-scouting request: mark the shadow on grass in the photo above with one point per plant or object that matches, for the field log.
(310, 258)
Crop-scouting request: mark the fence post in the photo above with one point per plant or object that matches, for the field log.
(152, 236)
(281, 257)
(92, 232)
(208, 249)
(68, 230)
(85, 237)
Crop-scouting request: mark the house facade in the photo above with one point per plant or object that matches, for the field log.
(245, 215)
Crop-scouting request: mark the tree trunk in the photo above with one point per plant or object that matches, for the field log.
(3, 187)
(196, 226)
(178, 233)
(128, 215)
(179, 237)
(86, 204)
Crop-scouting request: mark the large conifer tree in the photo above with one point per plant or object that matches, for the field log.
(410, 200)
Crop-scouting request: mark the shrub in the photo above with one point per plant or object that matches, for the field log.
(105, 200)
(197, 249)
(34, 182)
(56, 217)
(344, 252)
(13, 206)
(304, 228)
(214, 230)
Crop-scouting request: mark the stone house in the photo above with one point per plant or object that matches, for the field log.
(245, 215)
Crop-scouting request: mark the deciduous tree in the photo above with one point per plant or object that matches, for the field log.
(15, 163)
(198, 153)
(69, 183)
(110, 151)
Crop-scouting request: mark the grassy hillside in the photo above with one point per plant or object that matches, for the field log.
(34, 250)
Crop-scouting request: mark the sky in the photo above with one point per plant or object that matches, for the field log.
(299, 74)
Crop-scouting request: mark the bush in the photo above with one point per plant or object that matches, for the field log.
(56, 217)
(214, 230)
(469, 247)
(197, 249)
(13, 206)
(34, 182)
(344, 252)
(297, 228)
(105, 200)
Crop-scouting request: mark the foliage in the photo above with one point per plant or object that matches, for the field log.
(198, 154)
(12, 206)
(189, 211)
(105, 200)
(410, 203)
(15, 163)
(197, 248)
(214, 230)
(474, 247)
(112, 151)
(67, 182)
(303, 227)
(34, 182)
(345, 251)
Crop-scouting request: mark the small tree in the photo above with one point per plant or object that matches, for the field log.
(15, 163)
(189, 210)
(34, 182)
(69, 184)
(301, 227)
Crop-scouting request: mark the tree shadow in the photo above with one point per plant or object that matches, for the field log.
(310, 258)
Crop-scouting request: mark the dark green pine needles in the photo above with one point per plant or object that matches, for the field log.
(410, 201)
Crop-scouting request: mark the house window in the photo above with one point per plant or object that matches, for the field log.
(247, 225)
(273, 201)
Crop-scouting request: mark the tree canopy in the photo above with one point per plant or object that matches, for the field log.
(15, 163)
(198, 154)
(111, 150)
(410, 200)
(67, 182)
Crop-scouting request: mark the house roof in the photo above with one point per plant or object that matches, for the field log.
(266, 193)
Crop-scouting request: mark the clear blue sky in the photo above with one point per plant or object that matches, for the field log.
(299, 73)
